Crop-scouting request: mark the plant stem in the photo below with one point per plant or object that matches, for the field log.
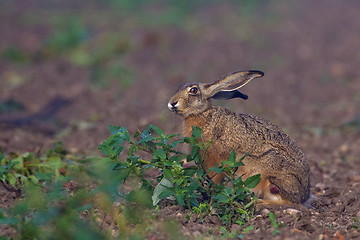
(144, 161)
(250, 203)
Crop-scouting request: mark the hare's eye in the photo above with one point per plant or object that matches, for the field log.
(193, 90)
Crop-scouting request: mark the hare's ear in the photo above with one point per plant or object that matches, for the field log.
(226, 95)
(231, 82)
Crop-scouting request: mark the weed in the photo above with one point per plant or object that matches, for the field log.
(14, 54)
(356, 223)
(191, 187)
(18, 169)
(274, 223)
(69, 35)
(11, 105)
(60, 191)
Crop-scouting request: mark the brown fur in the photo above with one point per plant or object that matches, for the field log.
(272, 153)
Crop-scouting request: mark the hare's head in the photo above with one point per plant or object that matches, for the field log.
(194, 98)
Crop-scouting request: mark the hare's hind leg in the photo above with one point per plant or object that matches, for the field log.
(269, 194)
(261, 203)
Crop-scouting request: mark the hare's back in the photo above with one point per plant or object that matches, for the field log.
(276, 156)
(266, 134)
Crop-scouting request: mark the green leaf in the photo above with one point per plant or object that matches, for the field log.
(55, 162)
(33, 179)
(121, 131)
(18, 163)
(167, 174)
(169, 136)
(244, 156)
(12, 180)
(187, 140)
(180, 181)
(232, 157)
(146, 138)
(252, 181)
(106, 149)
(84, 207)
(43, 176)
(151, 146)
(4, 170)
(160, 153)
(195, 153)
(191, 171)
(216, 169)
(137, 134)
(196, 132)
(221, 198)
(229, 190)
(180, 199)
(248, 229)
(132, 149)
(158, 131)
(175, 143)
(9, 221)
(162, 190)
(133, 159)
(273, 220)
(117, 150)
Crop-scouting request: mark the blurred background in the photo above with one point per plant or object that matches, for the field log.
(68, 69)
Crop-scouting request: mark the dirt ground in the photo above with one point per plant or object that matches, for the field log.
(309, 51)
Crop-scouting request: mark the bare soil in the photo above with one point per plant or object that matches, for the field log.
(309, 51)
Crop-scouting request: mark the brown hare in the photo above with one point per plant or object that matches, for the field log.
(272, 153)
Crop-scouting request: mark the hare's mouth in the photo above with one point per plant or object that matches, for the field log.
(175, 110)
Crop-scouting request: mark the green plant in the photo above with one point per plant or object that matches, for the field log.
(19, 169)
(97, 194)
(11, 105)
(191, 187)
(74, 198)
(356, 223)
(69, 34)
(235, 234)
(14, 54)
(234, 201)
(274, 223)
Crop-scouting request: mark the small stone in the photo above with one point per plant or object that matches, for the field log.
(265, 212)
(321, 237)
(293, 212)
(295, 230)
(308, 227)
(187, 233)
(108, 220)
(114, 233)
(344, 148)
(179, 215)
(193, 218)
(332, 193)
(354, 177)
(196, 234)
(215, 220)
(320, 187)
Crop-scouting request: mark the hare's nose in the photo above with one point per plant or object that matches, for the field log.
(172, 106)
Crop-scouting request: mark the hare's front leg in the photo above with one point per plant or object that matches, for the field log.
(211, 159)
